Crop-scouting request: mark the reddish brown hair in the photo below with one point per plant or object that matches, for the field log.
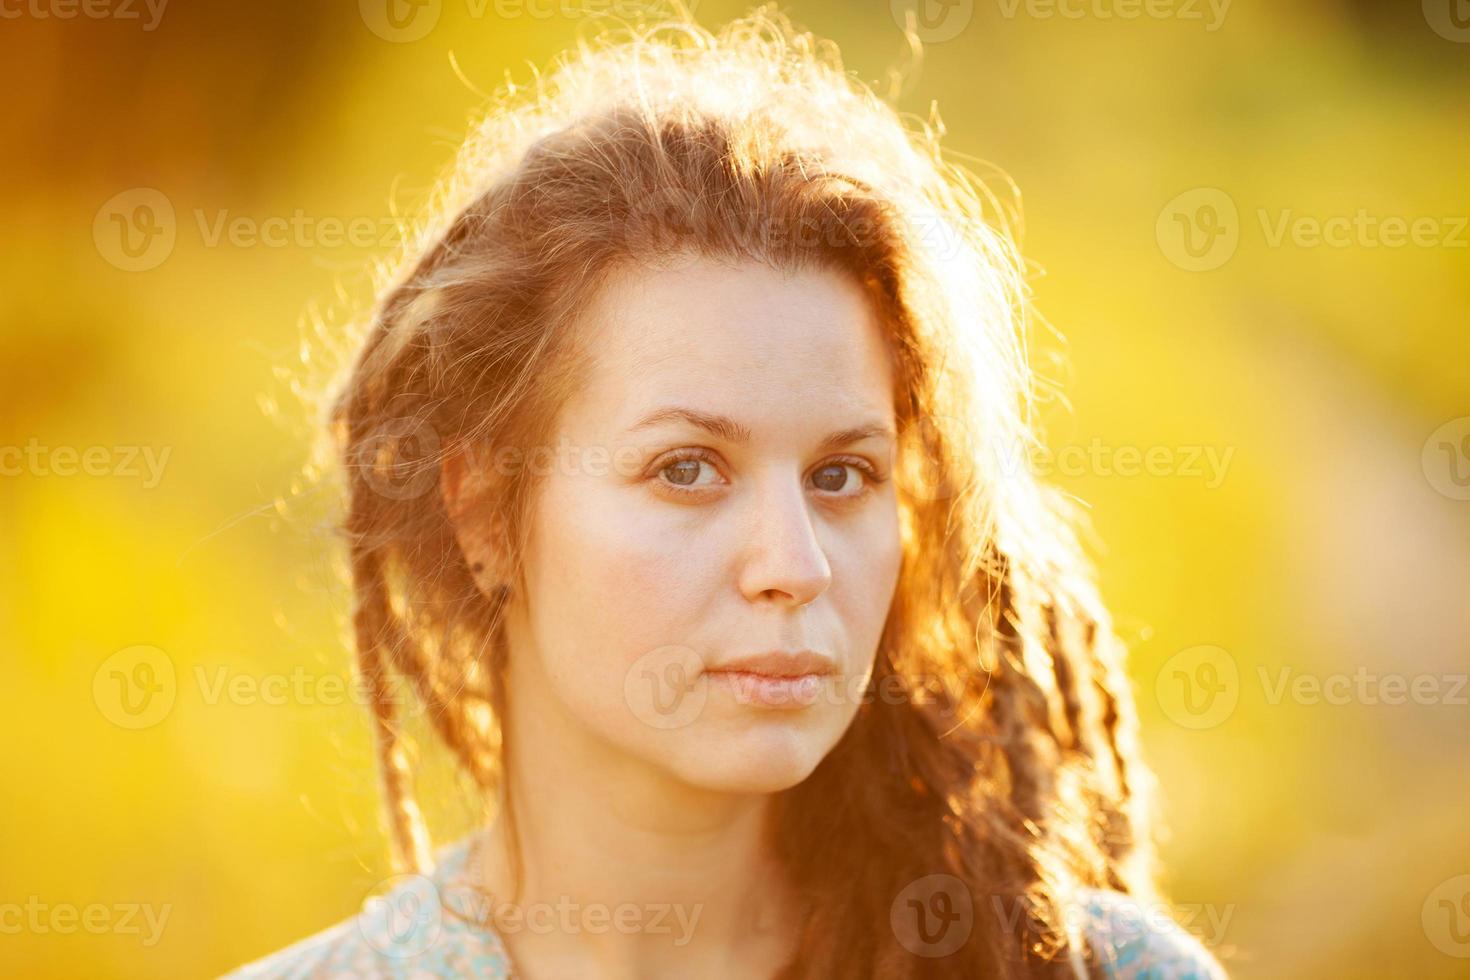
(1001, 747)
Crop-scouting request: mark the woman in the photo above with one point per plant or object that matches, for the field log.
(681, 491)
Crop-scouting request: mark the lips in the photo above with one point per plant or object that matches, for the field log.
(779, 664)
(777, 679)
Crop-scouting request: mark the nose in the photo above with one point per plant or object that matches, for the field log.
(784, 562)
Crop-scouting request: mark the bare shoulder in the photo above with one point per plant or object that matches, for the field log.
(412, 927)
(1137, 941)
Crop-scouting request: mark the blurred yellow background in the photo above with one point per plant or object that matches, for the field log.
(1248, 220)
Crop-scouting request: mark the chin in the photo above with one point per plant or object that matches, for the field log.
(766, 759)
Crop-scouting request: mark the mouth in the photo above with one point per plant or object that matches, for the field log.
(776, 679)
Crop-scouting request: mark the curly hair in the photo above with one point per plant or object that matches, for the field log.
(997, 745)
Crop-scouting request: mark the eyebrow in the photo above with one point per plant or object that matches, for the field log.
(732, 431)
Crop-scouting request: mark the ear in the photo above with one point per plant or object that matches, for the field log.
(469, 490)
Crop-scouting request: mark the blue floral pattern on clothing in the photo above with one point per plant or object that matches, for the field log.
(1132, 944)
(420, 928)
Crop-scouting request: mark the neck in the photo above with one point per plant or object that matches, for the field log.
(629, 871)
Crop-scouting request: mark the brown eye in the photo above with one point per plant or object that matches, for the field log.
(684, 472)
(832, 478)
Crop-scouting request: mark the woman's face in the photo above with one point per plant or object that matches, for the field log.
(721, 489)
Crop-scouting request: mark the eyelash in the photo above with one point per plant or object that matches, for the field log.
(871, 476)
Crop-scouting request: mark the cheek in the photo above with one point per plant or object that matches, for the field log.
(610, 584)
(868, 576)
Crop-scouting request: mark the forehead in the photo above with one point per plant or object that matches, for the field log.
(734, 336)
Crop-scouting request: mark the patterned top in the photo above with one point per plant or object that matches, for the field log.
(429, 926)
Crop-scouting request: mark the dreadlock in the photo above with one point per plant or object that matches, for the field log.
(997, 742)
